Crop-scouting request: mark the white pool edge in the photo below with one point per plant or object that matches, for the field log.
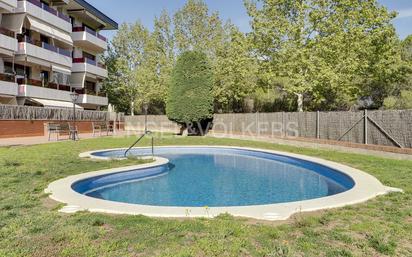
(366, 187)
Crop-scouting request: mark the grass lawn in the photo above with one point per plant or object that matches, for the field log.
(30, 224)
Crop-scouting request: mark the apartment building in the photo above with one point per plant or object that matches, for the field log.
(49, 49)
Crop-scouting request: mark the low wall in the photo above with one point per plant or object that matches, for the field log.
(27, 121)
(26, 128)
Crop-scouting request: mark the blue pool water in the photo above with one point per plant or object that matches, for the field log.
(207, 176)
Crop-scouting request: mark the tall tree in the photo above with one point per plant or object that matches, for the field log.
(158, 64)
(407, 49)
(190, 100)
(196, 29)
(235, 71)
(400, 91)
(323, 47)
(126, 57)
(111, 84)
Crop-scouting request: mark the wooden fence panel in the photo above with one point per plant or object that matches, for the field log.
(345, 126)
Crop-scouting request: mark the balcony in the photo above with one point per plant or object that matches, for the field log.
(89, 39)
(38, 89)
(84, 91)
(43, 54)
(45, 13)
(91, 97)
(8, 86)
(8, 5)
(89, 66)
(7, 41)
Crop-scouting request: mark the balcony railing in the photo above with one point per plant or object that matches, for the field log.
(7, 32)
(7, 77)
(46, 46)
(48, 9)
(31, 82)
(85, 91)
(90, 31)
(39, 83)
(89, 61)
(58, 86)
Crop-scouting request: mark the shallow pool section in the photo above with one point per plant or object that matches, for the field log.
(205, 181)
(216, 177)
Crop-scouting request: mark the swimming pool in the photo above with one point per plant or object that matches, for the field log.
(207, 181)
(216, 177)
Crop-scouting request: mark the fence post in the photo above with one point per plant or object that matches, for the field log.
(283, 125)
(318, 125)
(365, 132)
(257, 123)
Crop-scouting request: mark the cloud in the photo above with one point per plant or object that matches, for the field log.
(405, 13)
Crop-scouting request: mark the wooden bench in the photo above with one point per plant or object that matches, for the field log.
(62, 128)
(99, 127)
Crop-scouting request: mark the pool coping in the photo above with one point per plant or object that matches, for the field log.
(366, 187)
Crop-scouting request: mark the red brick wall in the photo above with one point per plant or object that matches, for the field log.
(26, 128)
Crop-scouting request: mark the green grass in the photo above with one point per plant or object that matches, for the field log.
(30, 224)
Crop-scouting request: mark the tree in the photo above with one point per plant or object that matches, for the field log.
(407, 49)
(403, 101)
(235, 72)
(190, 99)
(157, 65)
(111, 84)
(195, 29)
(400, 91)
(234, 68)
(325, 49)
(125, 59)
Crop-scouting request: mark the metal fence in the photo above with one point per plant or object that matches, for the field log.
(13, 112)
(388, 128)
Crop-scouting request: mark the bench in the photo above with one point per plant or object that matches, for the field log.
(99, 127)
(62, 128)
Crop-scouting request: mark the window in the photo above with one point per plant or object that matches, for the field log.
(90, 86)
(25, 33)
(72, 20)
(89, 56)
(8, 68)
(21, 71)
(44, 39)
(44, 76)
(90, 28)
(60, 78)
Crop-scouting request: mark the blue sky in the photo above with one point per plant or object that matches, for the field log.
(145, 10)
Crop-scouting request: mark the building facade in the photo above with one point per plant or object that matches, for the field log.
(49, 49)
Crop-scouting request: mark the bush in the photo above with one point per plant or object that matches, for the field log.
(404, 101)
(190, 98)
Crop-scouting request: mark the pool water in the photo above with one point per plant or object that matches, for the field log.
(217, 177)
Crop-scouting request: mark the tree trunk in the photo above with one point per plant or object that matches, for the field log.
(300, 102)
(132, 108)
(184, 131)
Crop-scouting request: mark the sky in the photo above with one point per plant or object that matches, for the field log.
(145, 10)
